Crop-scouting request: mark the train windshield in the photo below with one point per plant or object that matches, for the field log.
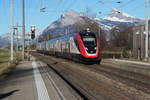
(89, 41)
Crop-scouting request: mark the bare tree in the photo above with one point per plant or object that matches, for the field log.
(121, 36)
(87, 23)
(103, 42)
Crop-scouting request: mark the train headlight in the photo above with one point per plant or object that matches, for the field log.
(95, 48)
(86, 48)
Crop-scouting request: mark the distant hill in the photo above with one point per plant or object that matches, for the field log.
(70, 18)
(6, 38)
(65, 24)
(68, 21)
(3, 42)
(117, 19)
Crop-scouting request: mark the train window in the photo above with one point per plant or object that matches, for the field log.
(89, 41)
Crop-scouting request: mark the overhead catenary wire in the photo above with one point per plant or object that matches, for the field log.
(3, 4)
(42, 7)
(125, 4)
(109, 2)
(70, 4)
(108, 6)
(136, 8)
(54, 9)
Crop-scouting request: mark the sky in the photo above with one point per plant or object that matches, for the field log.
(54, 9)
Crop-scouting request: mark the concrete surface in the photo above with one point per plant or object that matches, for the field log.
(22, 80)
(33, 80)
(133, 66)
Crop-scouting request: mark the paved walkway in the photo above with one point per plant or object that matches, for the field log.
(32, 81)
(20, 84)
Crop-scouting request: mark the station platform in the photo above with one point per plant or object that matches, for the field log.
(33, 80)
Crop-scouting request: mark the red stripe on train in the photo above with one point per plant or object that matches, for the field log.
(82, 49)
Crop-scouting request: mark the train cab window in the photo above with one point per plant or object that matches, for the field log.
(89, 41)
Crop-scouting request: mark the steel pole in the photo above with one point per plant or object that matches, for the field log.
(23, 30)
(146, 29)
(17, 37)
(11, 27)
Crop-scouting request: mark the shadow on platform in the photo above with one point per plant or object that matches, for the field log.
(4, 95)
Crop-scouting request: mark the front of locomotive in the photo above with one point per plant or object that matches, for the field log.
(89, 46)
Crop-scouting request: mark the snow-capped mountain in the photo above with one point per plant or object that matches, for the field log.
(114, 19)
(65, 24)
(70, 18)
(117, 18)
(67, 19)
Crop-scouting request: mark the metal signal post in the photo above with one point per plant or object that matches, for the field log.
(11, 27)
(23, 30)
(146, 29)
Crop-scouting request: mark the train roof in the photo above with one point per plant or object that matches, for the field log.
(70, 35)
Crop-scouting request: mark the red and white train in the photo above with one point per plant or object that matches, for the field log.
(83, 46)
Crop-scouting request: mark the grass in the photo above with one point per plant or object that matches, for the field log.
(4, 56)
(5, 65)
(111, 53)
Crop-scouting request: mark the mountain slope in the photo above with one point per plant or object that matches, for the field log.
(67, 19)
(116, 15)
(65, 24)
(116, 18)
(6, 38)
(3, 42)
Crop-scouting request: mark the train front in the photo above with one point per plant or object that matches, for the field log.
(89, 46)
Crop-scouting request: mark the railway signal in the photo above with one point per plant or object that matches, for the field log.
(32, 32)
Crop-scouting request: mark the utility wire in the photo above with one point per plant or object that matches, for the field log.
(58, 7)
(136, 8)
(123, 5)
(70, 4)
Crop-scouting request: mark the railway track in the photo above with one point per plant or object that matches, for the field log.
(132, 79)
(133, 67)
(98, 82)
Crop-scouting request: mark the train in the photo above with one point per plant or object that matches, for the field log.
(81, 46)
